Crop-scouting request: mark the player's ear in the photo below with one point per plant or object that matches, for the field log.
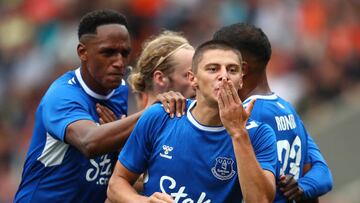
(82, 52)
(160, 79)
(192, 79)
(244, 68)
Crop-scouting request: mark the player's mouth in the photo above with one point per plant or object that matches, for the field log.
(216, 90)
(116, 75)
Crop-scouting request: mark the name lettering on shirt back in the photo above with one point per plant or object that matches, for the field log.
(286, 122)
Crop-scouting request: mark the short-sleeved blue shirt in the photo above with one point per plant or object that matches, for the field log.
(55, 171)
(189, 161)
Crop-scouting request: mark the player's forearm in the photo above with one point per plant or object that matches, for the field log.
(114, 135)
(317, 181)
(255, 185)
(111, 136)
(119, 190)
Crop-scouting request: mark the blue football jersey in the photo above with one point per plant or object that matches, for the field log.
(292, 138)
(55, 171)
(189, 161)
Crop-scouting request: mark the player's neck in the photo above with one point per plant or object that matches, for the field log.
(150, 99)
(91, 83)
(144, 100)
(255, 85)
(206, 114)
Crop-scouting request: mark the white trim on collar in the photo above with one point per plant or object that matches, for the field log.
(89, 91)
(272, 96)
(198, 125)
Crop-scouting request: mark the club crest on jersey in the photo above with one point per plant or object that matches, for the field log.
(223, 169)
(166, 149)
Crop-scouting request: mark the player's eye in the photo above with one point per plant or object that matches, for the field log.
(108, 52)
(211, 68)
(125, 53)
(233, 68)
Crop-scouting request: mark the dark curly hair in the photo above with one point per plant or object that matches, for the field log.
(90, 21)
(247, 39)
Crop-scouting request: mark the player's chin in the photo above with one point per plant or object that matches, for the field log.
(113, 84)
(190, 94)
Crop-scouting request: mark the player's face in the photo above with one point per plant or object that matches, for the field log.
(215, 65)
(107, 56)
(179, 80)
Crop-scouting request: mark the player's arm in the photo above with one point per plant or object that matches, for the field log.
(318, 179)
(292, 191)
(133, 160)
(94, 140)
(67, 118)
(307, 168)
(120, 188)
(257, 185)
(105, 114)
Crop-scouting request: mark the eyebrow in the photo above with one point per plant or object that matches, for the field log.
(209, 64)
(218, 64)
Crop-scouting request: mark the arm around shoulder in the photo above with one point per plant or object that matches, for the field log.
(94, 140)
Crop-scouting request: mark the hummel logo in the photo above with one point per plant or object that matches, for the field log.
(166, 149)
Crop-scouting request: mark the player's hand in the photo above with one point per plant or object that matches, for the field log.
(232, 113)
(174, 103)
(158, 197)
(290, 188)
(307, 167)
(105, 114)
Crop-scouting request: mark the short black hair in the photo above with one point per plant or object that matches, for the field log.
(247, 39)
(210, 45)
(90, 21)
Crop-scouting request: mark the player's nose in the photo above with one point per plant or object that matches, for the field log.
(223, 73)
(119, 62)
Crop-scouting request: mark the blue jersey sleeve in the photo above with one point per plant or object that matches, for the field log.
(318, 180)
(313, 152)
(264, 143)
(60, 107)
(137, 150)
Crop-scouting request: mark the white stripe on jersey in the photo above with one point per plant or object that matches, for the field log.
(54, 151)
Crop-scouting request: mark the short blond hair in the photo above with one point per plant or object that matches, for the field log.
(156, 54)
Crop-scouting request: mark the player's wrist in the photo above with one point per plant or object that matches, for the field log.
(301, 191)
(304, 188)
(240, 133)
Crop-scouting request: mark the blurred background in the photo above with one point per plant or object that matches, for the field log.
(315, 65)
